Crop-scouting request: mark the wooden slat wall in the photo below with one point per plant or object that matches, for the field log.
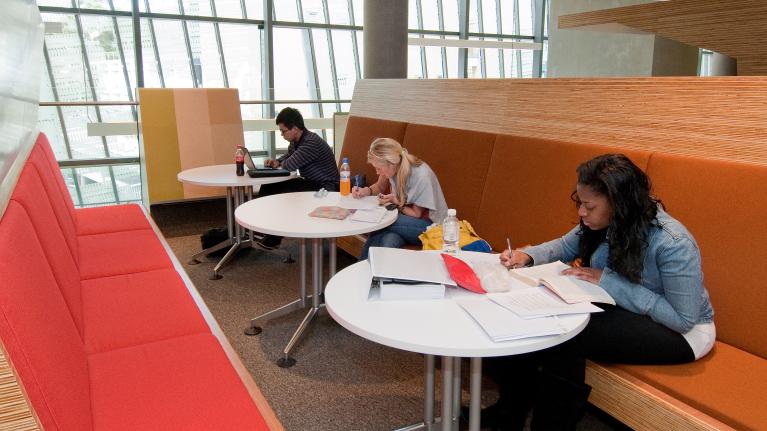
(737, 28)
(15, 414)
(719, 118)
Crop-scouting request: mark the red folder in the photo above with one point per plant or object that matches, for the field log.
(462, 274)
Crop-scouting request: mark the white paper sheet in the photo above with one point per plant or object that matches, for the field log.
(539, 302)
(501, 324)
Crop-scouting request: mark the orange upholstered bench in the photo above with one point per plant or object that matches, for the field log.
(518, 187)
(101, 325)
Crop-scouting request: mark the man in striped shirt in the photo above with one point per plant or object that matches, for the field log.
(309, 154)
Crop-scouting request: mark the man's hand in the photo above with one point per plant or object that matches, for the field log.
(592, 275)
(269, 163)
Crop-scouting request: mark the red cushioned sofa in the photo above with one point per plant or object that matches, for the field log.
(102, 326)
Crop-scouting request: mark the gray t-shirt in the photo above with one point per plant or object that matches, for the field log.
(423, 189)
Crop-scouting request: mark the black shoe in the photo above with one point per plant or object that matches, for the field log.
(269, 242)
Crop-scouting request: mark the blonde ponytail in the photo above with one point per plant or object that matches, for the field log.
(390, 151)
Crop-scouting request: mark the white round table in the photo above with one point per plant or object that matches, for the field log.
(225, 176)
(287, 215)
(432, 327)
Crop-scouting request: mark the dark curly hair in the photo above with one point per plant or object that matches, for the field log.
(627, 189)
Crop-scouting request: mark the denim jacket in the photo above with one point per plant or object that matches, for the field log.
(671, 290)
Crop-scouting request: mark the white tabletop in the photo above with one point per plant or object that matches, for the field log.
(287, 214)
(436, 327)
(224, 176)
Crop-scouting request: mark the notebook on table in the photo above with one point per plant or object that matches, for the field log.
(570, 289)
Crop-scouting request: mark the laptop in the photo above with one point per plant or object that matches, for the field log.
(263, 171)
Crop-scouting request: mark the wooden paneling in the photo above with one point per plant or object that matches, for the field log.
(15, 414)
(719, 118)
(736, 28)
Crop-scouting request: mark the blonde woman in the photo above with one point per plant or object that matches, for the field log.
(409, 184)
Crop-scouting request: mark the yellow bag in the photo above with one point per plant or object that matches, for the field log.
(431, 239)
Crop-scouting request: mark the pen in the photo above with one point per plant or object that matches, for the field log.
(508, 243)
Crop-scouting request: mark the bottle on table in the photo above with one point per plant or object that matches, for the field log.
(239, 160)
(346, 184)
(450, 232)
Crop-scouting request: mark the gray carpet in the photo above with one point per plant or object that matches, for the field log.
(340, 381)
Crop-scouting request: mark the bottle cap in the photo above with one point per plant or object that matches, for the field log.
(345, 160)
(451, 212)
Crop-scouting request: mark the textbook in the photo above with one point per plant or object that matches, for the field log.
(570, 289)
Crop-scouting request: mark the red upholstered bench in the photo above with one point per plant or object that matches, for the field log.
(101, 324)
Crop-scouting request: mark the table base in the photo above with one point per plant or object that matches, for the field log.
(451, 395)
(317, 305)
(235, 196)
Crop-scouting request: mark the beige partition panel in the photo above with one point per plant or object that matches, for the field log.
(718, 118)
(183, 129)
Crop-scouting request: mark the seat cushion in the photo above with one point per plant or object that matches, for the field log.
(184, 383)
(113, 218)
(527, 193)
(728, 384)
(126, 310)
(37, 330)
(117, 253)
(460, 159)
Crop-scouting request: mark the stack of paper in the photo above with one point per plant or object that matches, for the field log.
(398, 291)
(372, 215)
(501, 324)
(411, 265)
(538, 302)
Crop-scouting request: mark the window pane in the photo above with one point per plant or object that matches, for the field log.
(92, 4)
(339, 11)
(228, 8)
(120, 146)
(69, 180)
(57, 3)
(492, 65)
(346, 71)
(526, 9)
(434, 62)
(124, 5)
(450, 14)
(473, 18)
(322, 58)
(412, 15)
(414, 70)
(205, 56)
(242, 51)
(359, 13)
(128, 181)
(452, 60)
(196, 7)
(151, 66)
(430, 14)
(173, 56)
(95, 185)
(474, 62)
(285, 10)
(291, 68)
(489, 19)
(254, 9)
(163, 6)
(104, 58)
(313, 11)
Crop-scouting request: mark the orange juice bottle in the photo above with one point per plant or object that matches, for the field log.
(346, 183)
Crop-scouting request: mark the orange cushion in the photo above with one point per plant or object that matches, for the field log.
(527, 194)
(724, 205)
(728, 384)
(360, 133)
(459, 158)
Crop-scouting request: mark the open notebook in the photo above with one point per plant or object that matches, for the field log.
(570, 289)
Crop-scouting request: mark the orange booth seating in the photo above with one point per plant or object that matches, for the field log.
(101, 324)
(510, 186)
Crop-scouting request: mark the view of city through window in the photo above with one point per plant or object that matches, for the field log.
(317, 55)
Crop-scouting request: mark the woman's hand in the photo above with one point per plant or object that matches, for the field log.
(360, 192)
(269, 163)
(515, 259)
(387, 199)
(591, 275)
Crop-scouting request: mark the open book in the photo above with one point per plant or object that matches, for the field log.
(570, 289)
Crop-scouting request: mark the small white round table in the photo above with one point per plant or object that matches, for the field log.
(225, 176)
(287, 215)
(432, 327)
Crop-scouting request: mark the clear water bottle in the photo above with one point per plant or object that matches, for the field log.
(346, 174)
(239, 160)
(450, 232)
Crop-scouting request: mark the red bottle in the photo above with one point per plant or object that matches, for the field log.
(239, 160)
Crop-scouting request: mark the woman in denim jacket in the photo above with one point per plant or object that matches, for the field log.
(647, 261)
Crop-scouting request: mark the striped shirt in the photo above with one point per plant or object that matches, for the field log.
(314, 158)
